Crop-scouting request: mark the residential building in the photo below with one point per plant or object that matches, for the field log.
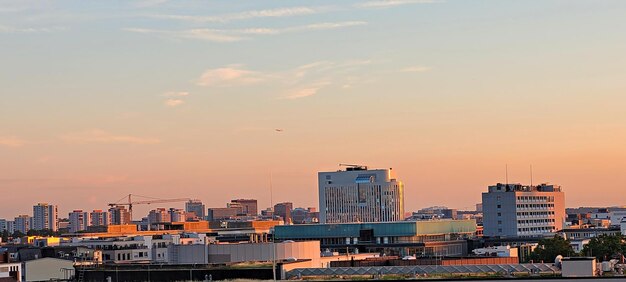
(587, 233)
(248, 206)
(360, 195)
(623, 227)
(119, 215)
(197, 207)
(515, 210)
(79, 220)
(159, 215)
(99, 218)
(10, 226)
(45, 216)
(283, 210)
(304, 216)
(402, 238)
(177, 215)
(3, 225)
(23, 223)
(10, 271)
(222, 213)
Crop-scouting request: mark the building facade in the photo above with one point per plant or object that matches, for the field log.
(45, 216)
(79, 220)
(415, 238)
(283, 210)
(515, 210)
(22, 223)
(196, 207)
(119, 215)
(248, 206)
(360, 195)
(99, 218)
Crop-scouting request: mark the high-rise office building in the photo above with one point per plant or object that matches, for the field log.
(99, 218)
(248, 206)
(119, 215)
(515, 210)
(45, 216)
(196, 207)
(283, 210)
(360, 195)
(23, 223)
(79, 220)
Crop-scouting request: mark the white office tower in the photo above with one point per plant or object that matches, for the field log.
(45, 216)
(360, 195)
(79, 220)
(515, 210)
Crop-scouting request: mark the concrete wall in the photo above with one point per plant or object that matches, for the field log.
(188, 254)
(46, 269)
(578, 267)
(227, 253)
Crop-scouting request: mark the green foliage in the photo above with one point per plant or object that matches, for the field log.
(5, 235)
(549, 249)
(606, 247)
(43, 233)
(17, 234)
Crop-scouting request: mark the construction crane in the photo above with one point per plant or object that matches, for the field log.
(130, 202)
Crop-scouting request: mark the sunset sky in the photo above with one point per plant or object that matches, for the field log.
(174, 99)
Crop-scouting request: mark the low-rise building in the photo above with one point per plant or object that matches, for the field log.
(46, 269)
(10, 272)
(498, 251)
(262, 252)
(578, 267)
(421, 238)
(587, 233)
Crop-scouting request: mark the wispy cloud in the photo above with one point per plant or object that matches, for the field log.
(101, 136)
(415, 69)
(306, 91)
(11, 141)
(233, 35)
(213, 35)
(173, 102)
(12, 29)
(245, 15)
(176, 94)
(392, 3)
(230, 75)
(300, 82)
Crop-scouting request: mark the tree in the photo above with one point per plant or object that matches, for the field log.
(606, 247)
(549, 249)
(5, 235)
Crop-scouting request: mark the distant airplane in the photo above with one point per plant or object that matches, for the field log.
(279, 130)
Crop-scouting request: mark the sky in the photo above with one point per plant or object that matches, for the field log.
(181, 99)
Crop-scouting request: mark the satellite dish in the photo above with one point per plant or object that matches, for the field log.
(557, 261)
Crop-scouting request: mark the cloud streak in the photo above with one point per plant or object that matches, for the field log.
(234, 35)
(101, 136)
(392, 3)
(11, 141)
(246, 15)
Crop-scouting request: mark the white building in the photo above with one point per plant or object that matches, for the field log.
(514, 210)
(99, 218)
(45, 216)
(499, 251)
(360, 195)
(47, 269)
(615, 216)
(623, 227)
(10, 270)
(79, 220)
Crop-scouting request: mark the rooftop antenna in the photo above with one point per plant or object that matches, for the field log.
(506, 174)
(531, 175)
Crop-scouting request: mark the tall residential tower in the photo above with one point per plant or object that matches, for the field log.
(45, 216)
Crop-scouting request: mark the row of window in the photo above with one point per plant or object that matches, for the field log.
(536, 221)
(536, 229)
(540, 213)
(536, 198)
(534, 206)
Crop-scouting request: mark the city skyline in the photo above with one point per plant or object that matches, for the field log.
(189, 99)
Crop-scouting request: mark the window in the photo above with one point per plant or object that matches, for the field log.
(499, 206)
(499, 214)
